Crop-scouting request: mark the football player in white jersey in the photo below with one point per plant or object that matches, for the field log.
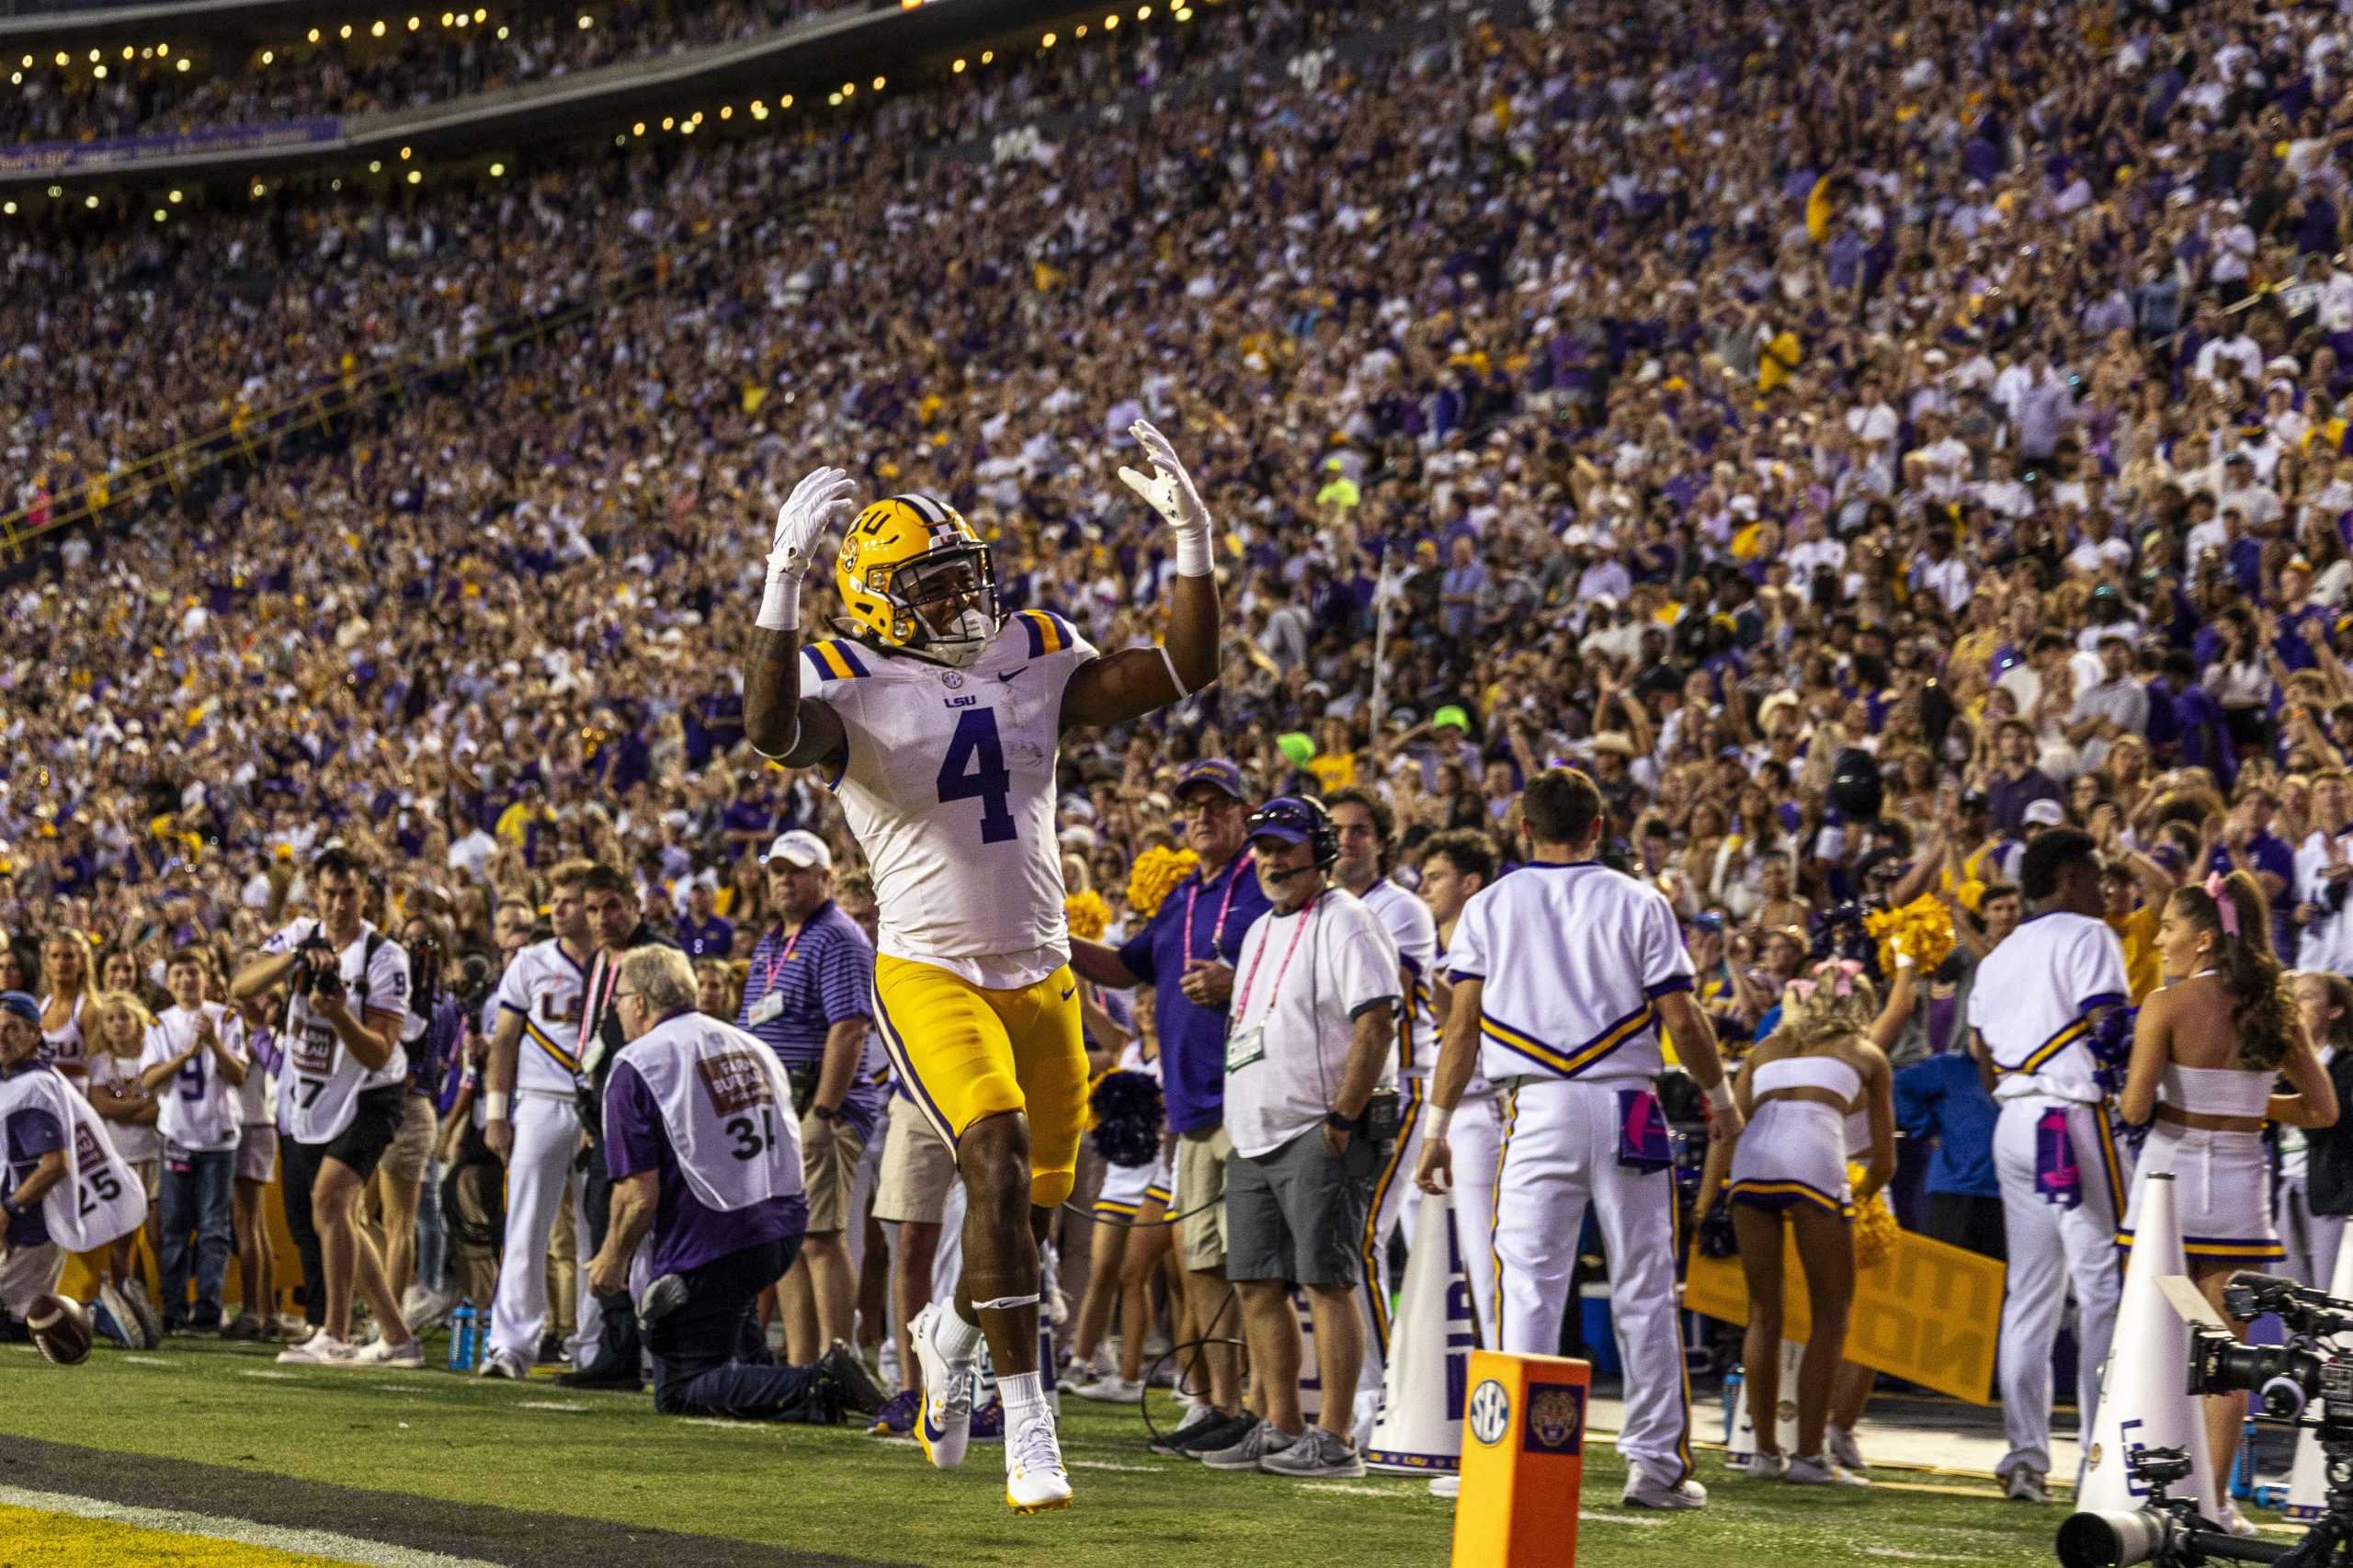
(938, 723)
(1366, 826)
(533, 1124)
(1564, 975)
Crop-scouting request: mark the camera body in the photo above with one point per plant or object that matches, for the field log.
(318, 970)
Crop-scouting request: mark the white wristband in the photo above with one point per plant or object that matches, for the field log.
(1719, 1096)
(781, 604)
(493, 1107)
(1440, 1120)
(1194, 557)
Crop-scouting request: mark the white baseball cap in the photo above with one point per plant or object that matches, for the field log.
(800, 847)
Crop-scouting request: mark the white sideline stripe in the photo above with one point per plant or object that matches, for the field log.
(297, 1543)
(548, 1404)
(1350, 1489)
(767, 1427)
(277, 1376)
(1586, 1516)
(1107, 1464)
(145, 1361)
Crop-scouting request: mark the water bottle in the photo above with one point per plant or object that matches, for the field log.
(462, 1336)
(2243, 1465)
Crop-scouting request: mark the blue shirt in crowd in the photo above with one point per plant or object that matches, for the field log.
(711, 939)
(825, 974)
(1211, 916)
(1942, 1098)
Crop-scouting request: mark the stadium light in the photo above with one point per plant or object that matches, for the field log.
(1078, 31)
(55, 191)
(100, 73)
(877, 84)
(502, 35)
(375, 165)
(128, 53)
(95, 57)
(415, 23)
(1112, 23)
(1143, 13)
(416, 176)
(378, 30)
(346, 29)
(587, 22)
(696, 118)
(404, 153)
(727, 112)
(16, 79)
(445, 18)
(335, 185)
(688, 128)
(89, 201)
(497, 171)
(10, 208)
(161, 215)
(269, 57)
(785, 102)
(28, 62)
(183, 63)
(481, 15)
(314, 35)
(959, 68)
(1184, 13)
(162, 49)
(988, 57)
(175, 198)
(834, 100)
(62, 58)
(638, 129)
(669, 122)
(259, 191)
(849, 90)
(1049, 41)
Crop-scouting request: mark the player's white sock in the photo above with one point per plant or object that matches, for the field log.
(959, 1341)
(1024, 1395)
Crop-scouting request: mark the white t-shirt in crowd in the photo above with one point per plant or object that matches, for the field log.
(1301, 980)
(135, 1142)
(198, 1108)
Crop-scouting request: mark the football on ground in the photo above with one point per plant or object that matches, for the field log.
(61, 1328)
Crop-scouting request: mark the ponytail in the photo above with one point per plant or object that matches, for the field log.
(2234, 911)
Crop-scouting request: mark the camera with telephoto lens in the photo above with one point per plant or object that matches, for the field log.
(2306, 1383)
(318, 970)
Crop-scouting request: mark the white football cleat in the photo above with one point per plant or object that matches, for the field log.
(322, 1349)
(1035, 1481)
(944, 1424)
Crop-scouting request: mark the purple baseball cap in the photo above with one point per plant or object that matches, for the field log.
(23, 1006)
(1211, 770)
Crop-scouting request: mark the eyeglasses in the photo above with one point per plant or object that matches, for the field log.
(621, 996)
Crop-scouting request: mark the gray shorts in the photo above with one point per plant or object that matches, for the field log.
(1297, 1214)
(257, 1152)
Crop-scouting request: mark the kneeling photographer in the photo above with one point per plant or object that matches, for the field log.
(1309, 1052)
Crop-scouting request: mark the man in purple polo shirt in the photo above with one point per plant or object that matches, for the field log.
(808, 997)
(1186, 952)
(705, 1160)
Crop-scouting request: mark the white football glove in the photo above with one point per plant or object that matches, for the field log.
(815, 504)
(1170, 493)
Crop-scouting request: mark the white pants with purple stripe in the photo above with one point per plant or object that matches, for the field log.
(541, 1175)
(2051, 1250)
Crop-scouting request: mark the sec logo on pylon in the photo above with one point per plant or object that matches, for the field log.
(1489, 1413)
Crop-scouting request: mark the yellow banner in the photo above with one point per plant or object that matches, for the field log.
(1929, 1313)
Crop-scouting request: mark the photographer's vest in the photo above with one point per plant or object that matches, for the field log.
(726, 1110)
(318, 1082)
(101, 1199)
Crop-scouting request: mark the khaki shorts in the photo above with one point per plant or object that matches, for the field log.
(829, 1154)
(917, 1168)
(1200, 1197)
(151, 1180)
(412, 1146)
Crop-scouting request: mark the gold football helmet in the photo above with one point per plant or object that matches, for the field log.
(914, 577)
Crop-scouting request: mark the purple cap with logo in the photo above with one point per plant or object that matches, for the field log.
(1211, 770)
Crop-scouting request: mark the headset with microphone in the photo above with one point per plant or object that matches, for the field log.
(1298, 818)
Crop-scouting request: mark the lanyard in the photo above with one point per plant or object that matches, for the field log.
(1242, 1000)
(776, 964)
(1217, 933)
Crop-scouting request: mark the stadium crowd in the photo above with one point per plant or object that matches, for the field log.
(346, 69)
(1864, 439)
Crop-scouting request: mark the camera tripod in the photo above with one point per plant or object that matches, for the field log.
(2330, 1539)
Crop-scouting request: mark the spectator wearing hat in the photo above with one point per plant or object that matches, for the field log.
(1310, 1039)
(1186, 952)
(808, 997)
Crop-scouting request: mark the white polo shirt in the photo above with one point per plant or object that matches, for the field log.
(1299, 982)
(2031, 998)
(1572, 959)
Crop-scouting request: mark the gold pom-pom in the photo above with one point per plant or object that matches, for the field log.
(1155, 875)
(1875, 1226)
(1087, 914)
(1922, 928)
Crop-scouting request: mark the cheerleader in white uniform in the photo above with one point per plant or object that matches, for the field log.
(1798, 1089)
(1133, 1244)
(2205, 1053)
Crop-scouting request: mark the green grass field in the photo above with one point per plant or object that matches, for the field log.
(544, 1449)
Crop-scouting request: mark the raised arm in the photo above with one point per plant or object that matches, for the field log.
(781, 726)
(1133, 682)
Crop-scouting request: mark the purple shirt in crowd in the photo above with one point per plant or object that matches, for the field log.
(685, 1234)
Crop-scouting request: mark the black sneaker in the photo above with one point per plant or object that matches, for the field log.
(859, 1393)
(1224, 1433)
(552, 1351)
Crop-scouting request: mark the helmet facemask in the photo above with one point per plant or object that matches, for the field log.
(944, 606)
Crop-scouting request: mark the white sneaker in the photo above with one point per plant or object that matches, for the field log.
(1445, 1486)
(1814, 1470)
(424, 1308)
(408, 1353)
(2238, 1524)
(1643, 1490)
(2024, 1486)
(1765, 1467)
(503, 1364)
(1035, 1481)
(1840, 1448)
(322, 1349)
(1110, 1389)
(944, 1424)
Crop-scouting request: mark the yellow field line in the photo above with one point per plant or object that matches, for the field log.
(78, 1531)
